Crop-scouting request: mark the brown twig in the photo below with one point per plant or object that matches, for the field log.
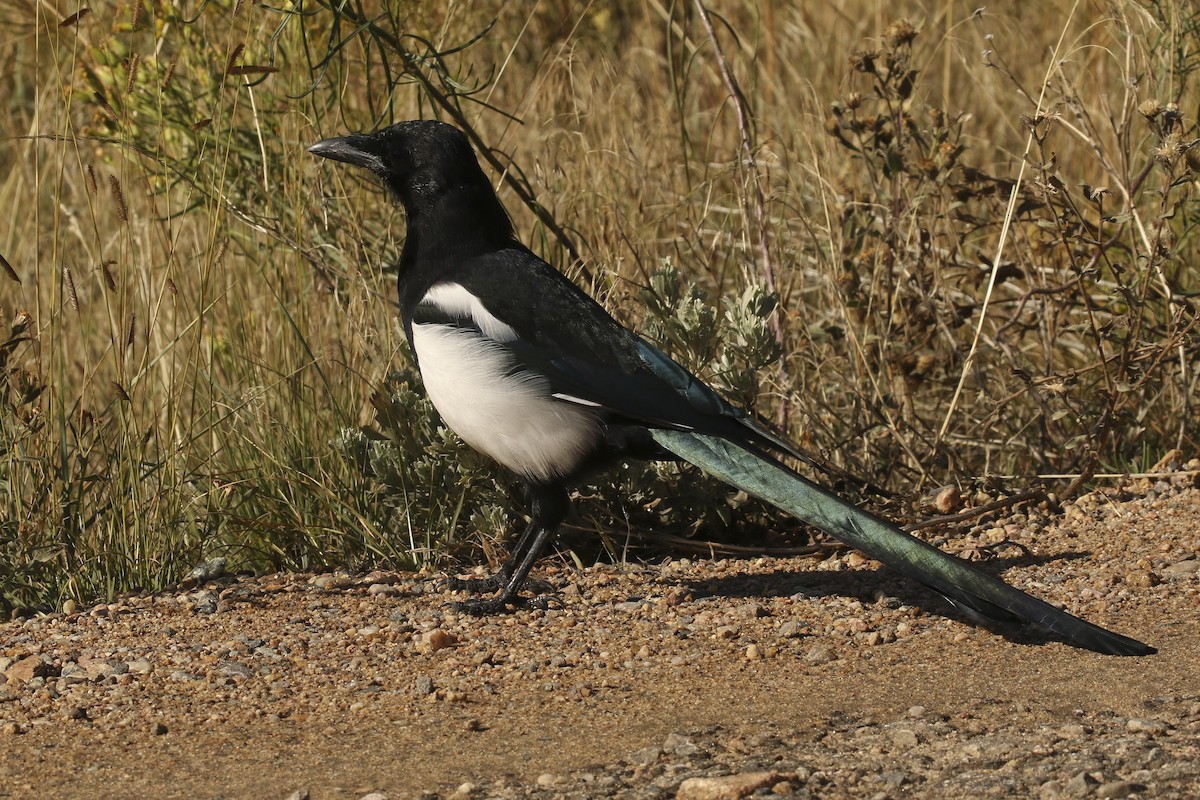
(757, 213)
(978, 511)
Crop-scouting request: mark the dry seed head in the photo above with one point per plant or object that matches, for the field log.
(170, 72)
(172, 288)
(233, 58)
(853, 100)
(237, 8)
(74, 18)
(139, 11)
(131, 67)
(900, 32)
(1169, 149)
(118, 196)
(131, 330)
(221, 248)
(109, 280)
(91, 179)
(21, 322)
(105, 107)
(69, 286)
(1149, 109)
(121, 393)
(863, 61)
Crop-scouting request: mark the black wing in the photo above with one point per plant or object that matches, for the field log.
(589, 358)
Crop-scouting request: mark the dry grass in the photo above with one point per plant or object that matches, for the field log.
(209, 319)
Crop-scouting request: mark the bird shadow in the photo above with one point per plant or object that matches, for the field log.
(869, 585)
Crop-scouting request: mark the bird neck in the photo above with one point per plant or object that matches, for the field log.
(456, 223)
(444, 232)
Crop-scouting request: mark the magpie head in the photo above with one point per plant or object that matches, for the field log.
(416, 160)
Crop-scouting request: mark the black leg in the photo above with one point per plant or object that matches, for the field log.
(500, 577)
(549, 506)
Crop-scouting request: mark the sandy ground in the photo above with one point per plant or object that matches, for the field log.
(789, 678)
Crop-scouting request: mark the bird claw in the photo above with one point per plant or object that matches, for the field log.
(498, 605)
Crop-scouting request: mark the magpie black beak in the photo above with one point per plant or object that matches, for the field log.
(354, 149)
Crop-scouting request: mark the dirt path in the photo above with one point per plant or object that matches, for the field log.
(830, 678)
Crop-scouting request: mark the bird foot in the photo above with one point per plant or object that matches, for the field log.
(499, 605)
(491, 583)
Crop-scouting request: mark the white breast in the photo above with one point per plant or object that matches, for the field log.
(510, 417)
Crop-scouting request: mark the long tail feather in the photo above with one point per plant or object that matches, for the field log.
(959, 582)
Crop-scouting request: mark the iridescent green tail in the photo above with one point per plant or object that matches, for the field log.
(962, 584)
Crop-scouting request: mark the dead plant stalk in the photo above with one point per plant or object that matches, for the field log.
(756, 211)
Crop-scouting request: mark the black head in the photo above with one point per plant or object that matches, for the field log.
(417, 160)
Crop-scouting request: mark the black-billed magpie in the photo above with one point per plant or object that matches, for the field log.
(528, 369)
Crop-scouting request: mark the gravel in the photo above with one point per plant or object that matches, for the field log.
(687, 678)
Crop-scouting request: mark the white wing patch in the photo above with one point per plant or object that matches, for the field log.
(570, 398)
(454, 300)
(509, 416)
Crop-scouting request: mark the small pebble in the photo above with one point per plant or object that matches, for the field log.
(208, 570)
(645, 756)
(819, 655)
(1183, 568)
(1138, 725)
(680, 745)
(790, 630)
(729, 787)
(1117, 789)
(1081, 785)
(440, 640)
